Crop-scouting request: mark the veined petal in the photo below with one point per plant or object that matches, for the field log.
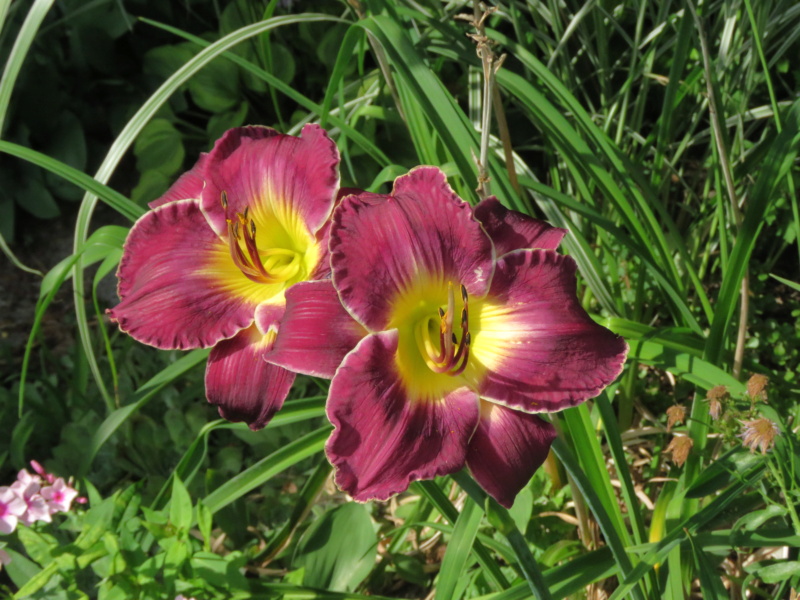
(323, 270)
(511, 230)
(188, 186)
(390, 249)
(506, 449)
(534, 348)
(316, 331)
(178, 285)
(383, 440)
(241, 384)
(287, 183)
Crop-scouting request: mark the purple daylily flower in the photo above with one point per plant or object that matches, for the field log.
(210, 265)
(468, 323)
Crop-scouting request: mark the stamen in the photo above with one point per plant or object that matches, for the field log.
(271, 266)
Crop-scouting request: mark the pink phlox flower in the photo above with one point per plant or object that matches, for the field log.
(4, 557)
(27, 485)
(12, 507)
(48, 477)
(59, 496)
(37, 510)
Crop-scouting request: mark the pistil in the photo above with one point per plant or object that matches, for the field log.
(453, 354)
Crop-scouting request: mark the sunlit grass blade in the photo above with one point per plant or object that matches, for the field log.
(459, 548)
(775, 166)
(689, 527)
(266, 468)
(438, 499)
(19, 51)
(446, 118)
(501, 519)
(604, 520)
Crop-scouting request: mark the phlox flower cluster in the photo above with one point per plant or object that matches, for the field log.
(34, 497)
(445, 328)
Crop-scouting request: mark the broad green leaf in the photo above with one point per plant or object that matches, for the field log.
(159, 148)
(338, 550)
(180, 506)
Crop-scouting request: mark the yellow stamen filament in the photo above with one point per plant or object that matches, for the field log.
(274, 265)
(453, 355)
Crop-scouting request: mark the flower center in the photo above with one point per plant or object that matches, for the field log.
(273, 265)
(452, 354)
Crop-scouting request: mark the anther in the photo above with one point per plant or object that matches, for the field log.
(463, 293)
(223, 198)
(441, 313)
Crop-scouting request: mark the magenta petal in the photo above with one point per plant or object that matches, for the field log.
(316, 331)
(241, 384)
(512, 230)
(506, 449)
(537, 348)
(169, 283)
(189, 186)
(274, 176)
(384, 246)
(383, 440)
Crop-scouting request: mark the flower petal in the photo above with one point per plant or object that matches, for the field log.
(241, 384)
(188, 186)
(512, 230)
(383, 441)
(534, 348)
(382, 247)
(316, 331)
(323, 270)
(283, 179)
(506, 449)
(178, 285)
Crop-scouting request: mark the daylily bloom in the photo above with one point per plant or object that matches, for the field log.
(12, 507)
(469, 324)
(210, 264)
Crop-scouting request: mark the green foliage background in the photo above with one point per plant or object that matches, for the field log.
(622, 129)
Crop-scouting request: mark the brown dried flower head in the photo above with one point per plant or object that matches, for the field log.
(679, 447)
(675, 416)
(715, 397)
(759, 433)
(757, 387)
(718, 392)
(714, 408)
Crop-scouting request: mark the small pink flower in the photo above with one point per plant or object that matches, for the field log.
(4, 557)
(12, 507)
(27, 485)
(58, 496)
(37, 510)
(48, 477)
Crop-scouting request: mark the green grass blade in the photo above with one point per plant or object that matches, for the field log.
(502, 520)
(775, 167)
(90, 185)
(459, 548)
(19, 51)
(266, 468)
(604, 520)
(689, 527)
(439, 500)
(143, 395)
